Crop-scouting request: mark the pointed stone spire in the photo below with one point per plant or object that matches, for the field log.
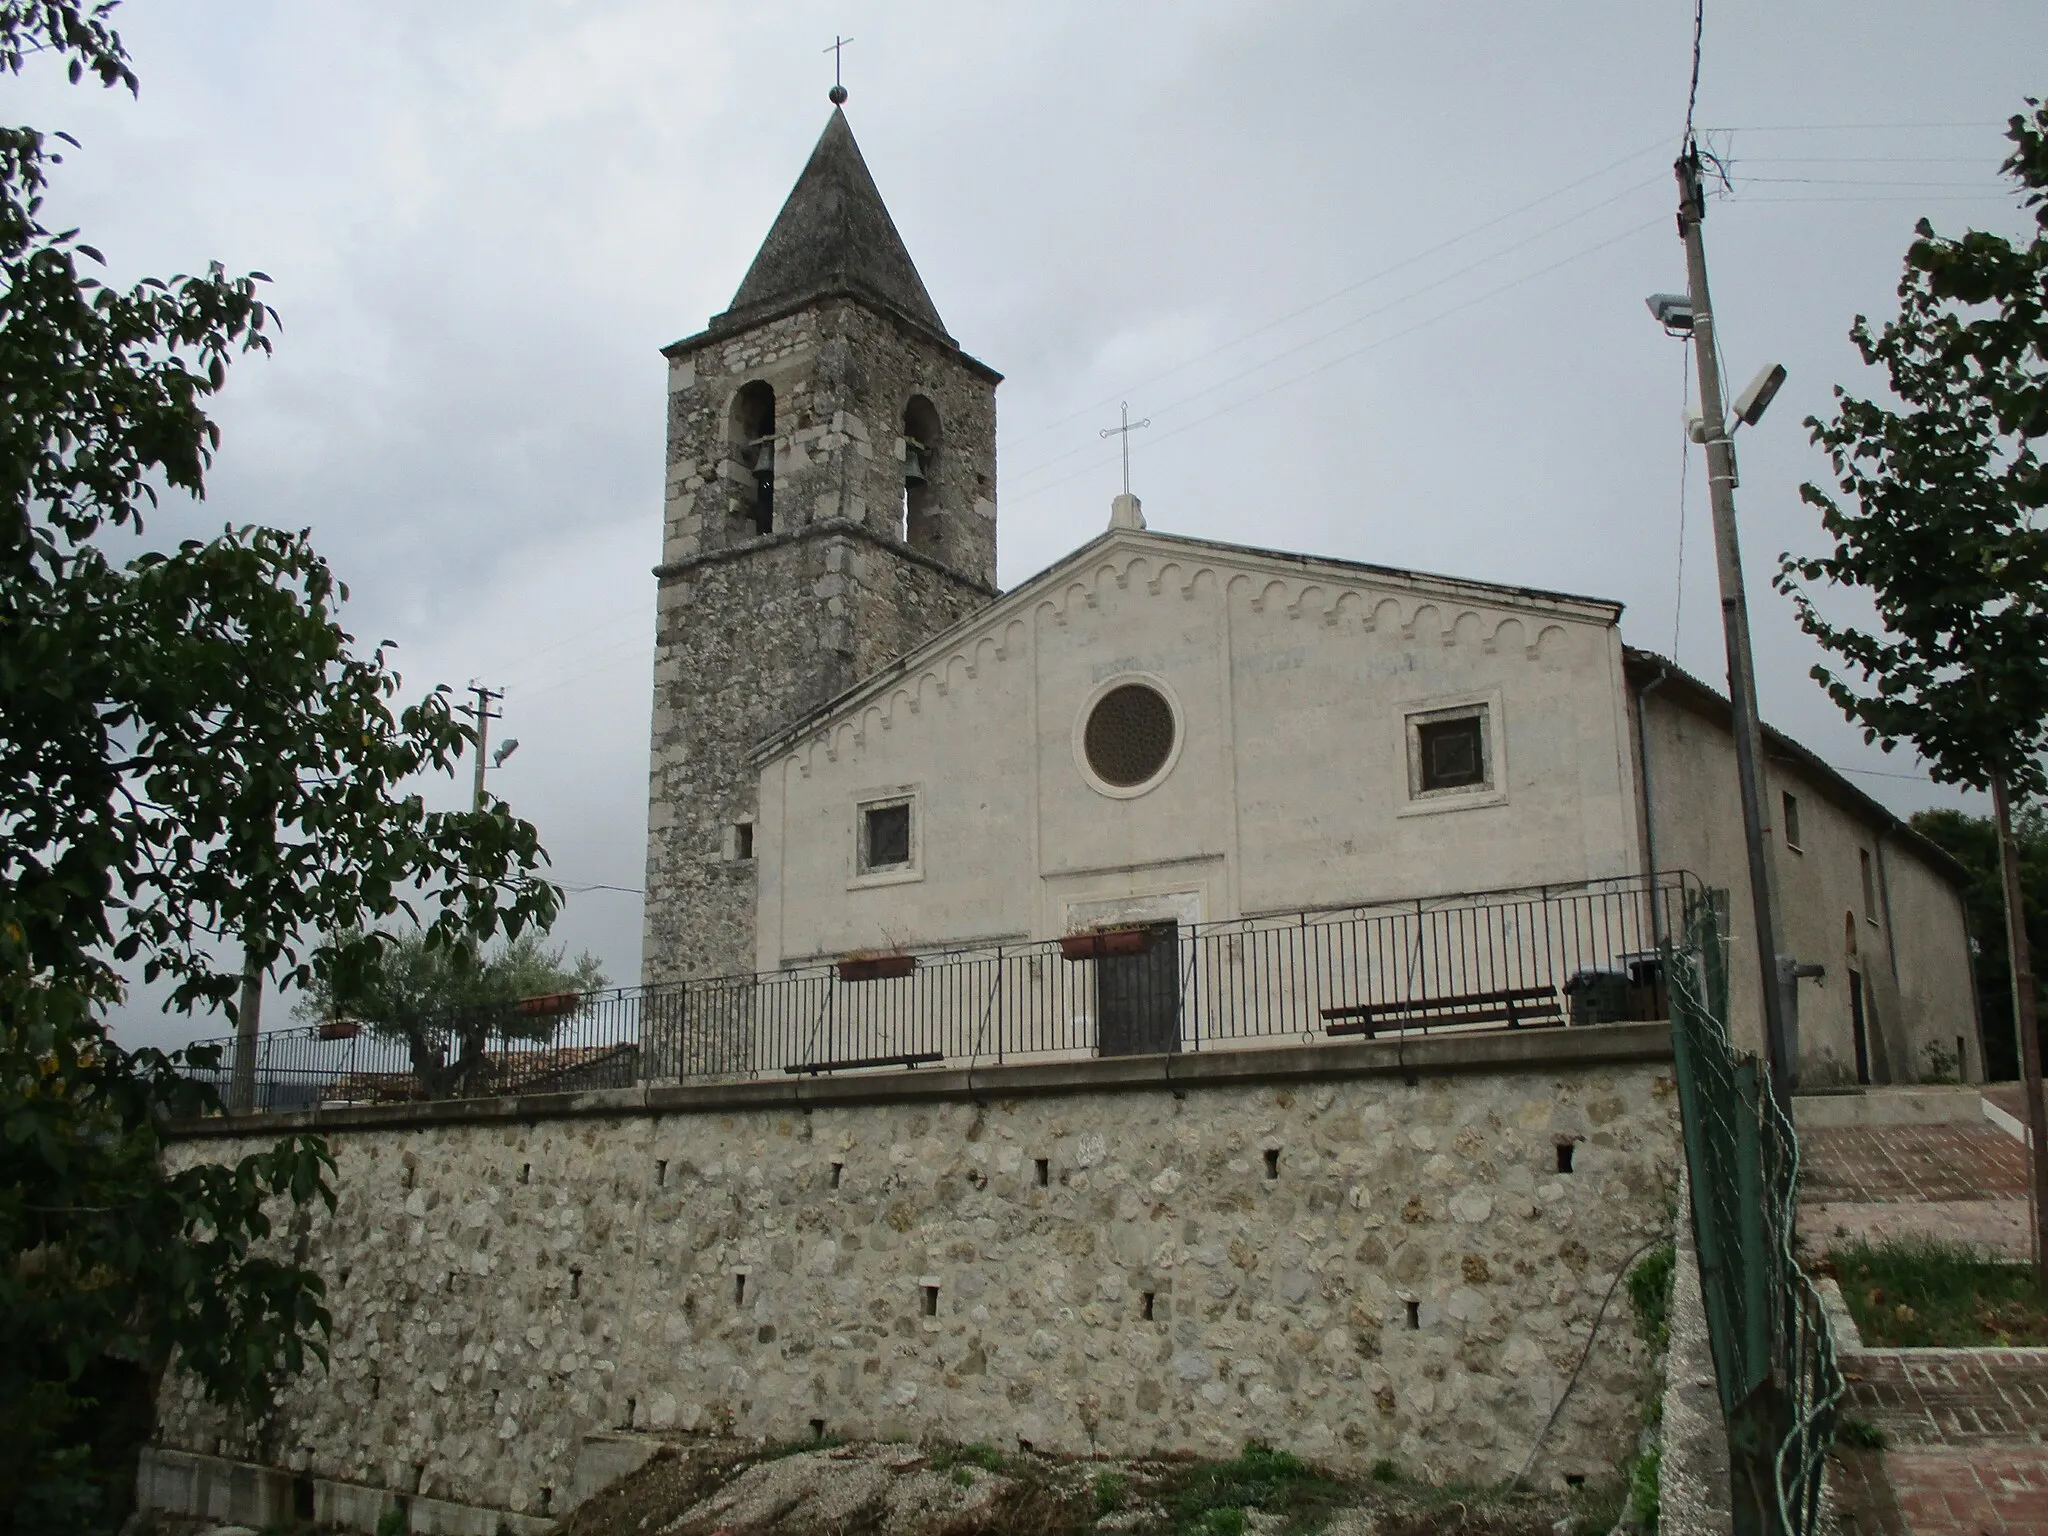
(834, 236)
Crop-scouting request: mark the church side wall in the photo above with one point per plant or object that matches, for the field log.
(1912, 961)
(1414, 1280)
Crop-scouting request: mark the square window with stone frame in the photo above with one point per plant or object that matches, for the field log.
(1450, 751)
(885, 844)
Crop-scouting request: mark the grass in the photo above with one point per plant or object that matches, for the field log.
(1645, 1488)
(1916, 1294)
(1649, 1295)
(986, 1457)
(1211, 1499)
(1860, 1434)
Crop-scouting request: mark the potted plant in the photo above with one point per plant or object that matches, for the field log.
(871, 967)
(1104, 943)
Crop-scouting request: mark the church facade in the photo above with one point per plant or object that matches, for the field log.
(862, 747)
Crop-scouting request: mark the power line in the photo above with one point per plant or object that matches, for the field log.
(1351, 287)
(1838, 127)
(1357, 352)
(1684, 479)
(1371, 314)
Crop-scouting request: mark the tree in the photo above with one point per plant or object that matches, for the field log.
(1973, 842)
(1937, 521)
(193, 754)
(451, 999)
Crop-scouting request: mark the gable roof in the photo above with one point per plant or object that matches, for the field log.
(834, 235)
(1277, 564)
(1646, 669)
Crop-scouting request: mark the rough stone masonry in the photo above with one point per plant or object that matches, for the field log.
(1337, 1249)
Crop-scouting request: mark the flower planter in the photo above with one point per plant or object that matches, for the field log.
(877, 967)
(1106, 943)
(548, 1005)
(337, 1029)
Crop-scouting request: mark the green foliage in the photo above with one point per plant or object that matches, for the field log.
(1213, 1499)
(1649, 1294)
(1973, 842)
(1936, 504)
(448, 999)
(1385, 1471)
(986, 1457)
(1111, 1490)
(391, 1523)
(1644, 1489)
(192, 751)
(1859, 1434)
(1918, 1294)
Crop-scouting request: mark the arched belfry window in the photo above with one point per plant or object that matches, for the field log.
(753, 448)
(920, 525)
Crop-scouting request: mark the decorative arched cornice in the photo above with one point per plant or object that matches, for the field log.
(1419, 611)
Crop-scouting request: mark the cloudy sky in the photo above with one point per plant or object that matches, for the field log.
(1374, 272)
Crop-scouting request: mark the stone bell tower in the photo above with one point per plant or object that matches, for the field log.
(830, 504)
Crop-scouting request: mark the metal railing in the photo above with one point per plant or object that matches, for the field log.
(1774, 1358)
(1550, 955)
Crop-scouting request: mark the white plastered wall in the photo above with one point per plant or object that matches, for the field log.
(1910, 945)
(1290, 788)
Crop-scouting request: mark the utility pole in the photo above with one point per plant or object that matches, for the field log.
(1775, 971)
(483, 714)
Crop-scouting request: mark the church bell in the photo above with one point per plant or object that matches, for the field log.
(913, 462)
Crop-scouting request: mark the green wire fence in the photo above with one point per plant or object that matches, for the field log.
(1773, 1355)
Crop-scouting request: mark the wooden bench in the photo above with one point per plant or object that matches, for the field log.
(913, 1059)
(1515, 1006)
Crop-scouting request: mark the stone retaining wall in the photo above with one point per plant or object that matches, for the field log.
(1359, 1252)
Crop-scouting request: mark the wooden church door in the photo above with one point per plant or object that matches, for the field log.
(1137, 997)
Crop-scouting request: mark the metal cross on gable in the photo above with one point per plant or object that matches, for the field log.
(838, 91)
(1129, 426)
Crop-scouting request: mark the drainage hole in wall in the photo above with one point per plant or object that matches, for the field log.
(660, 1171)
(817, 1429)
(1272, 1162)
(575, 1282)
(632, 1406)
(1564, 1156)
(931, 1300)
(1023, 1447)
(526, 1173)
(547, 1498)
(837, 1169)
(1414, 1314)
(1043, 1167)
(1145, 1310)
(739, 1290)
(1575, 1479)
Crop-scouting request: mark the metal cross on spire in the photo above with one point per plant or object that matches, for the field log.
(1129, 426)
(838, 92)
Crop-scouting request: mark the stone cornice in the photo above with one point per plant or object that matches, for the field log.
(831, 527)
(1497, 1051)
(726, 326)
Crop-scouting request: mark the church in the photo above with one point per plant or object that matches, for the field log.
(866, 753)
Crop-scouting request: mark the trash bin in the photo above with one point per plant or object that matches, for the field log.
(1597, 997)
